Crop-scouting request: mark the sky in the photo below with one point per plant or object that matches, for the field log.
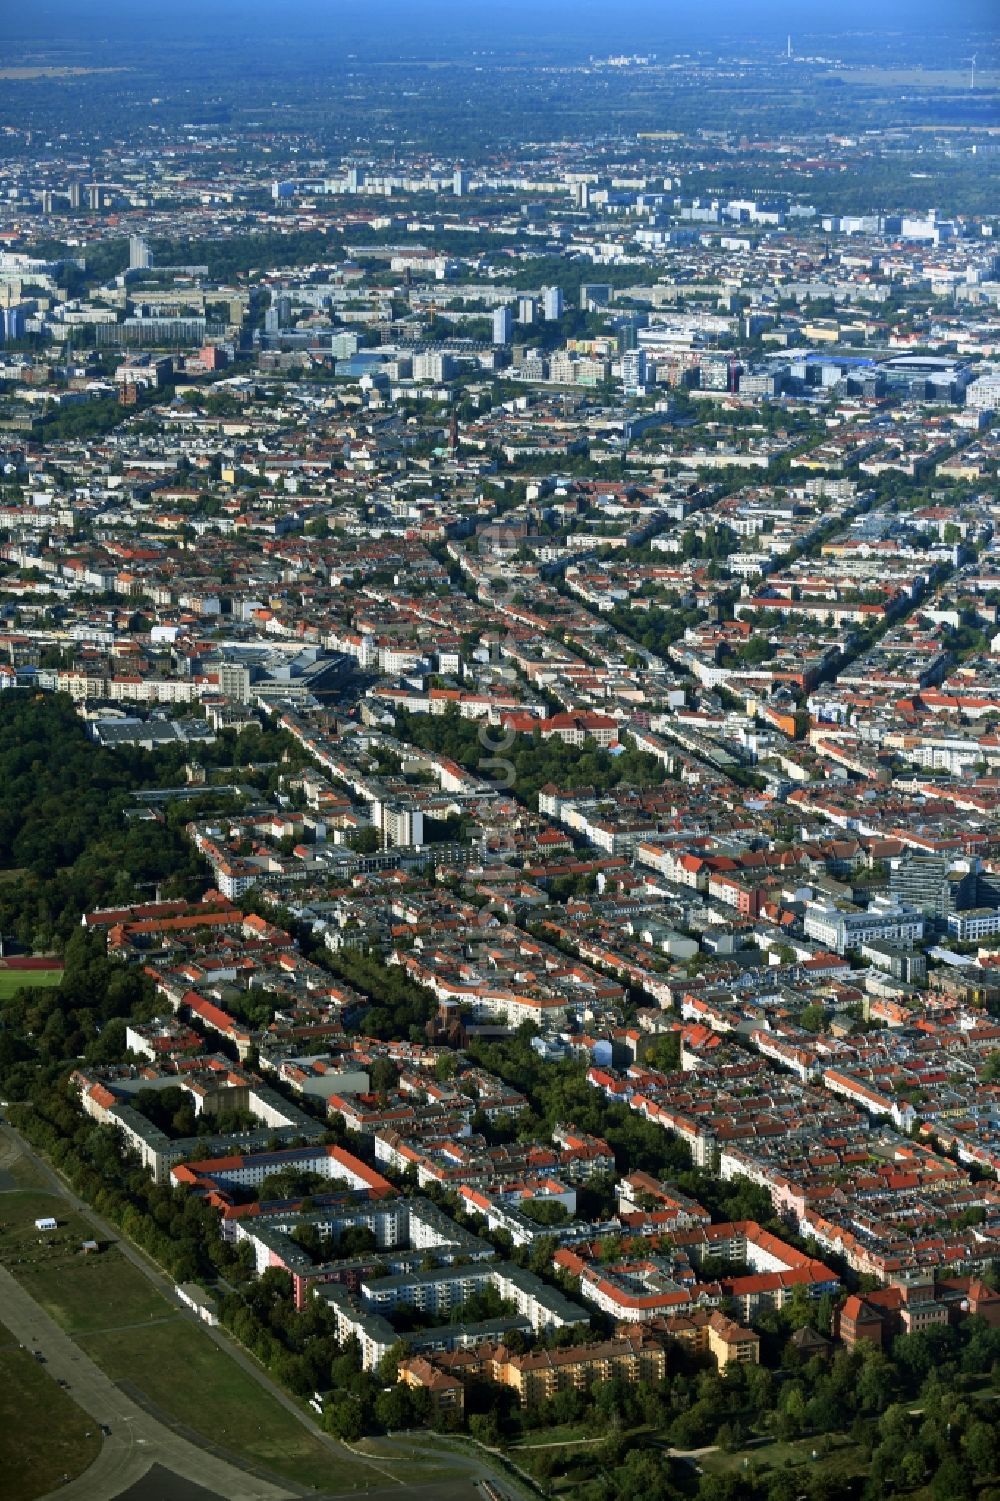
(385, 25)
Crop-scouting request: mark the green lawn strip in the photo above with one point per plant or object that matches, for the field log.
(43, 1434)
(564, 1433)
(186, 1375)
(417, 1466)
(410, 1471)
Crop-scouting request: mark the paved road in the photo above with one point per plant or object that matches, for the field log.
(107, 1478)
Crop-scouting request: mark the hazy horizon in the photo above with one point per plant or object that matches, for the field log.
(574, 26)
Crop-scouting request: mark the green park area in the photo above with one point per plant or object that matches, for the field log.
(569, 1459)
(830, 1456)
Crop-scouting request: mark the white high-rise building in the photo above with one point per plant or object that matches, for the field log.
(634, 370)
(402, 825)
(983, 395)
(552, 303)
(433, 366)
(234, 681)
(139, 257)
(503, 325)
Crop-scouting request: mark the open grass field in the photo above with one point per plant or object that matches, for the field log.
(82, 1291)
(86, 1293)
(12, 980)
(20, 1243)
(43, 1434)
(20, 1172)
(181, 1370)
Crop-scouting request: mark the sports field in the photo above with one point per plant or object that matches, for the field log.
(33, 979)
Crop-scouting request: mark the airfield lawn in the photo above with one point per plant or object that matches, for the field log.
(43, 1434)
